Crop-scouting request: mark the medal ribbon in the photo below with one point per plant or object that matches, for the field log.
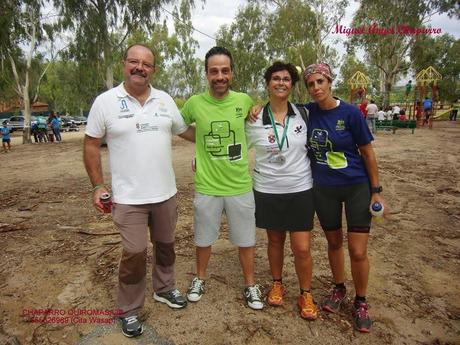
(272, 119)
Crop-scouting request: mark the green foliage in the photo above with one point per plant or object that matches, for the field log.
(246, 39)
(385, 49)
(101, 27)
(185, 74)
(442, 53)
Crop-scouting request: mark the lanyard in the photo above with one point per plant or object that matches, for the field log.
(280, 145)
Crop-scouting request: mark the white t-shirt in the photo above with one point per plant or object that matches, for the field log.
(372, 110)
(396, 109)
(381, 115)
(139, 142)
(271, 176)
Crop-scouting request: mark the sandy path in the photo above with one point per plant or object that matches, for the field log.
(47, 263)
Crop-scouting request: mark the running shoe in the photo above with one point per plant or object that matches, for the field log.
(332, 303)
(361, 316)
(131, 326)
(276, 294)
(253, 297)
(173, 299)
(307, 306)
(196, 290)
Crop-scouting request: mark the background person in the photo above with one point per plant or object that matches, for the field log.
(144, 191)
(344, 173)
(6, 137)
(222, 180)
(372, 110)
(56, 126)
(427, 109)
(283, 185)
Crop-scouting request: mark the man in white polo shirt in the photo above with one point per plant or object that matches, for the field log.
(372, 111)
(138, 122)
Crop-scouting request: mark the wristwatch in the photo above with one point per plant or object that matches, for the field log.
(377, 189)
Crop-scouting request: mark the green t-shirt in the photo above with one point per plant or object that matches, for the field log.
(221, 150)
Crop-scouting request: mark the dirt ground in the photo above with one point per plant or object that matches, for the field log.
(59, 255)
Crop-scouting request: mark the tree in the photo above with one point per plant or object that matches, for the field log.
(327, 14)
(441, 53)
(389, 33)
(28, 28)
(102, 26)
(246, 39)
(186, 75)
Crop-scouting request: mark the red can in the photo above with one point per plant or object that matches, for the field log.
(106, 201)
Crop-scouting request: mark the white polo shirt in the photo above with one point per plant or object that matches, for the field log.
(139, 142)
(271, 176)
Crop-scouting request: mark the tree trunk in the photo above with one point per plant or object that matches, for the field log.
(109, 76)
(27, 115)
(388, 87)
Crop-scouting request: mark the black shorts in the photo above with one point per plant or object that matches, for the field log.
(6, 140)
(288, 212)
(328, 204)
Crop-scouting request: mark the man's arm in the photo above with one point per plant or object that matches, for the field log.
(92, 160)
(189, 134)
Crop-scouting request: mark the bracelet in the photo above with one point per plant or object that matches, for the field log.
(98, 186)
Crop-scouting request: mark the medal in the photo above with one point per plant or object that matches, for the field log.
(278, 158)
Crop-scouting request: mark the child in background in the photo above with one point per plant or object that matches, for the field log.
(381, 114)
(402, 115)
(6, 139)
(50, 133)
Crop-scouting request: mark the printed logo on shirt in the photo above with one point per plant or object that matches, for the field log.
(238, 112)
(127, 116)
(323, 150)
(165, 114)
(340, 126)
(221, 143)
(123, 106)
(146, 127)
(271, 137)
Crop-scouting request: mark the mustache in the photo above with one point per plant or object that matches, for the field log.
(139, 73)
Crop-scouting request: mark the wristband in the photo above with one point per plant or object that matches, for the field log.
(98, 186)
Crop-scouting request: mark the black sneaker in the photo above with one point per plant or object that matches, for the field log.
(196, 290)
(253, 297)
(361, 316)
(173, 299)
(131, 326)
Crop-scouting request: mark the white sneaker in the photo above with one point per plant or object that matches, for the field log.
(253, 297)
(196, 290)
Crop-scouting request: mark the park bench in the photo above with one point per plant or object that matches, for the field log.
(395, 124)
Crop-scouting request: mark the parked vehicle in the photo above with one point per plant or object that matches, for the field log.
(68, 124)
(81, 119)
(16, 123)
(66, 121)
(76, 120)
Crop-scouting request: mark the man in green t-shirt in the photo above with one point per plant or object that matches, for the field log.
(222, 180)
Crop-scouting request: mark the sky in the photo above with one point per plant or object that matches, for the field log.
(214, 13)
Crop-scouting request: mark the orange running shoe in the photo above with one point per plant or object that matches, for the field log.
(275, 296)
(307, 307)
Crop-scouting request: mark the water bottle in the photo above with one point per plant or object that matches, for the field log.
(376, 210)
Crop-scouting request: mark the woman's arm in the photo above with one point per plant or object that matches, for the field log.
(368, 154)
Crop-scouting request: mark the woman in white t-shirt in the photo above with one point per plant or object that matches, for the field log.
(283, 184)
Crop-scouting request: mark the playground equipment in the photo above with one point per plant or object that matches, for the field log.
(358, 84)
(427, 77)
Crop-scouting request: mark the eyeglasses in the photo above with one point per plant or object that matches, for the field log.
(284, 80)
(145, 65)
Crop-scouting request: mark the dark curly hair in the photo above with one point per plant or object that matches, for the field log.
(282, 66)
(217, 51)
